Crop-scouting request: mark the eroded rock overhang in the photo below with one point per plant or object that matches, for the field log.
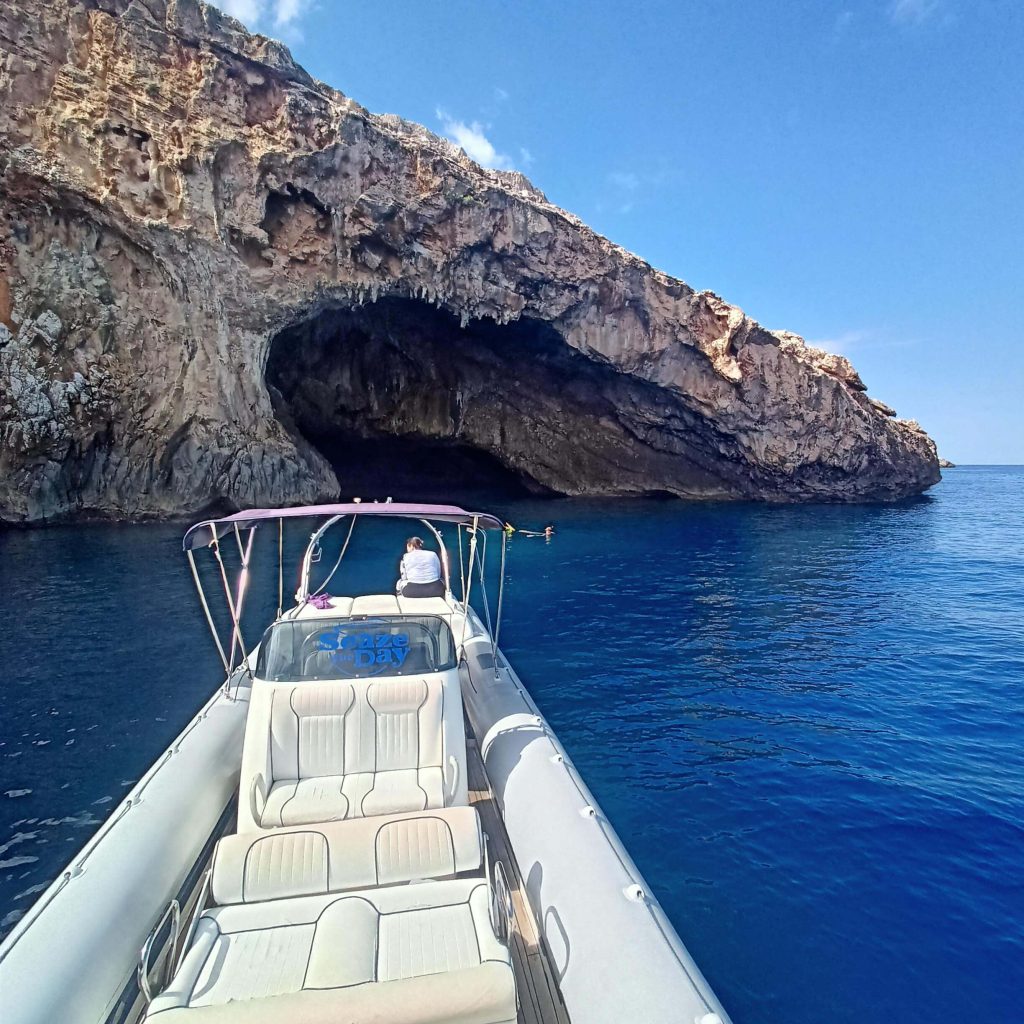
(555, 420)
(183, 210)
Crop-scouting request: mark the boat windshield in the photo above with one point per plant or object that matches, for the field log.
(301, 650)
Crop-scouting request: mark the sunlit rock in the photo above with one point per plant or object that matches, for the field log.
(214, 269)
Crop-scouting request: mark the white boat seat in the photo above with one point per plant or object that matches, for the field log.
(356, 795)
(424, 606)
(375, 604)
(360, 854)
(335, 750)
(416, 954)
(378, 604)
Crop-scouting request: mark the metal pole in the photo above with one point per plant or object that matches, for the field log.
(341, 555)
(443, 553)
(280, 566)
(487, 607)
(206, 609)
(231, 604)
(243, 576)
(462, 567)
(238, 540)
(467, 589)
(302, 594)
(501, 595)
(447, 567)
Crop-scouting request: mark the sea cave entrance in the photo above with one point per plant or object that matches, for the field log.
(403, 400)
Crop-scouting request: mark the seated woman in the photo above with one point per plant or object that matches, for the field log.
(420, 572)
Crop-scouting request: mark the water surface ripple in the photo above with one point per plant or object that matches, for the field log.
(807, 724)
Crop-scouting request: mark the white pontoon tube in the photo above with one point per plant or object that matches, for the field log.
(616, 954)
(73, 957)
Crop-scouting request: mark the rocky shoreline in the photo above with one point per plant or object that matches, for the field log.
(213, 267)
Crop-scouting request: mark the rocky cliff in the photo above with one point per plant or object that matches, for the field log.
(213, 267)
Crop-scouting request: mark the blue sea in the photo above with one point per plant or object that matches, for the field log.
(806, 723)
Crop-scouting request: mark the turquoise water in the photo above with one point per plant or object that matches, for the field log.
(807, 724)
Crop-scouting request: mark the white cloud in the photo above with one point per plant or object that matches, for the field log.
(840, 344)
(913, 12)
(286, 12)
(525, 157)
(246, 11)
(624, 186)
(845, 342)
(628, 181)
(471, 138)
(278, 15)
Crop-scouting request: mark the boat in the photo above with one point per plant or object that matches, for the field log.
(368, 821)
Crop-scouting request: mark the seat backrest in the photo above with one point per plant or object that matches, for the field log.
(315, 729)
(340, 728)
(407, 724)
(312, 729)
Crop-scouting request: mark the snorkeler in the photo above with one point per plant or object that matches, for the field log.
(548, 532)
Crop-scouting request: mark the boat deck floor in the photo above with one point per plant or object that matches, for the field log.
(540, 1001)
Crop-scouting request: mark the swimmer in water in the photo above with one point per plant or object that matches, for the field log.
(547, 533)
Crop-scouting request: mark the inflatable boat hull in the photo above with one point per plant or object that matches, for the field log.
(73, 957)
(616, 955)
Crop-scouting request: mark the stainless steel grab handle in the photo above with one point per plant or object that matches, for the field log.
(172, 914)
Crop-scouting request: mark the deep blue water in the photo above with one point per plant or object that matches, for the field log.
(806, 723)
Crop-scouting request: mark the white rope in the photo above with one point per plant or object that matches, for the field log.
(344, 548)
(302, 594)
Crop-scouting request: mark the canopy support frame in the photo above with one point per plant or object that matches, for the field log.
(235, 625)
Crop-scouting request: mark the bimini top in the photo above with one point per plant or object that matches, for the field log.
(200, 535)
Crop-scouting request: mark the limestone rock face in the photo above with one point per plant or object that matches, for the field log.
(208, 258)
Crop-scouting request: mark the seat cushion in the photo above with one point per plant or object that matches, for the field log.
(472, 996)
(404, 790)
(304, 800)
(424, 606)
(251, 868)
(375, 604)
(359, 795)
(416, 954)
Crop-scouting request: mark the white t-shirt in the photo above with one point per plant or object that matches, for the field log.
(421, 566)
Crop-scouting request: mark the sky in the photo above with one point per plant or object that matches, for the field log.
(851, 172)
